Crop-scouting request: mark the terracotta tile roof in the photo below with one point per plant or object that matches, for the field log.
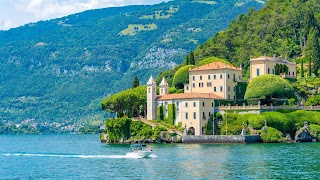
(214, 65)
(266, 58)
(189, 96)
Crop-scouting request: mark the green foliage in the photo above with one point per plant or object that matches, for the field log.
(135, 82)
(212, 59)
(140, 130)
(272, 135)
(182, 76)
(126, 102)
(13, 129)
(269, 86)
(288, 25)
(313, 100)
(160, 113)
(171, 114)
(118, 129)
(158, 130)
(315, 130)
(312, 50)
(257, 121)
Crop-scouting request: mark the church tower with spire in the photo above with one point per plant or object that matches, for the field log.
(163, 87)
(151, 99)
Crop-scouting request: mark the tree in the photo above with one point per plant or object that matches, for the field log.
(312, 50)
(191, 58)
(135, 82)
(182, 76)
(302, 69)
(269, 86)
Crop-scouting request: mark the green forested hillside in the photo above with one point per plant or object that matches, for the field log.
(61, 69)
(287, 28)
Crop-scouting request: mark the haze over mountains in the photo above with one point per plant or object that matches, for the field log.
(60, 69)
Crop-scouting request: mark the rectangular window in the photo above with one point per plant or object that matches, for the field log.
(186, 104)
(212, 104)
(228, 96)
(268, 71)
(258, 72)
(193, 78)
(209, 84)
(214, 77)
(200, 84)
(214, 89)
(194, 115)
(228, 76)
(186, 115)
(272, 71)
(193, 85)
(220, 76)
(194, 104)
(228, 88)
(187, 87)
(209, 76)
(234, 89)
(200, 77)
(203, 104)
(221, 89)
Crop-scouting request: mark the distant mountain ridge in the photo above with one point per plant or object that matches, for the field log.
(60, 69)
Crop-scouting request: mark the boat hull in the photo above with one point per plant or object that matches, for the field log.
(139, 154)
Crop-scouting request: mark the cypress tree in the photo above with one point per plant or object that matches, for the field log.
(302, 69)
(191, 58)
(312, 50)
(135, 82)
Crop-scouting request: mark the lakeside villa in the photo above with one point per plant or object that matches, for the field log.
(207, 84)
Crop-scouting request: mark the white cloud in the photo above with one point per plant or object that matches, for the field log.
(18, 12)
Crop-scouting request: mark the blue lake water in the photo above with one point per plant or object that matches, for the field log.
(84, 157)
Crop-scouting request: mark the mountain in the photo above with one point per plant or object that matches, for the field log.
(287, 28)
(60, 69)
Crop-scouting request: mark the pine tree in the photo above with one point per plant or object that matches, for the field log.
(135, 82)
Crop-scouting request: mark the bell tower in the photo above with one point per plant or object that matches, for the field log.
(151, 99)
(163, 87)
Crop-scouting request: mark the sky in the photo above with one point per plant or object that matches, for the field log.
(14, 13)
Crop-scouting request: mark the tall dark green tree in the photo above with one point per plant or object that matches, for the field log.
(313, 49)
(187, 60)
(135, 82)
(192, 61)
(302, 69)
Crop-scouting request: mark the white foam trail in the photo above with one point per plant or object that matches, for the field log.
(69, 155)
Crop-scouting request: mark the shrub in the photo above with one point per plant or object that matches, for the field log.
(213, 59)
(269, 86)
(315, 130)
(311, 101)
(182, 76)
(256, 121)
(271, 135)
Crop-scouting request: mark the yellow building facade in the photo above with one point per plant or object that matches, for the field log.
(272, 65)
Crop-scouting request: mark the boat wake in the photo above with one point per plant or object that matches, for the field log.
(73, 156)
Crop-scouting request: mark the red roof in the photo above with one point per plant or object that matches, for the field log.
(215, 65)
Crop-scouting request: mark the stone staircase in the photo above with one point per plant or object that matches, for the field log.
(153, 125)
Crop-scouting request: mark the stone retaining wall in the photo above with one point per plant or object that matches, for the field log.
(220, 139)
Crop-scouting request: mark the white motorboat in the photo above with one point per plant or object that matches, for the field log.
(139, 151)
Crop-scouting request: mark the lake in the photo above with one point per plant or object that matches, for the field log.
(84, 157)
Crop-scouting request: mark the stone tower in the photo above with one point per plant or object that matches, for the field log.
(151, 99)
(163, 87)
